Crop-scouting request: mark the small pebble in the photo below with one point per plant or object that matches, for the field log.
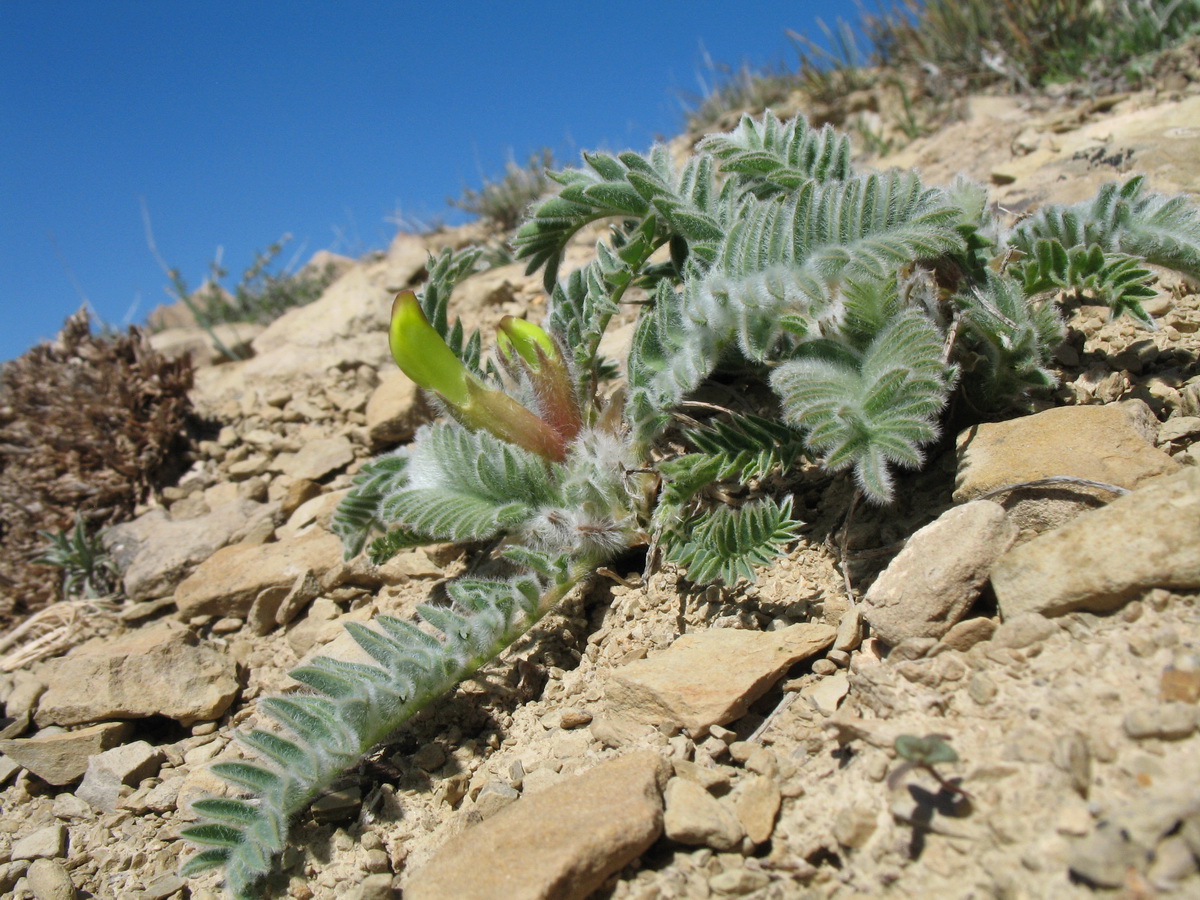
(824, 667)
(739, 881)
(574, 718)
(376, 861)
(429, 757)
(981, 688)
(1166, 721)
(839, 658)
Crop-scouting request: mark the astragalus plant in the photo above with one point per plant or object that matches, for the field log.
(864, 300)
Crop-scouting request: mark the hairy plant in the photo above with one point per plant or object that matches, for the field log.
(87, 568)
(859, 302)
(89, 425)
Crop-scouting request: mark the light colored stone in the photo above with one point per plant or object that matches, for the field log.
(154, 552)
(1165, 721)
(694, 816)
(1021, 631)
(227, 583)
(45, 843)
(316, 459)
(933, 581)
(850, 628)
(48, 880)
(967, 633)
(109, 771)
(1179, 428)
(396, 409)
(303, 591)
(1105, 557)
(711, 677)
(1109, 444)
(62, 758)
(756, 805)
(8, 768)
(827, 693)
(161, 669)
(560, 843)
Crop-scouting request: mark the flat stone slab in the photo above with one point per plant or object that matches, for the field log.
(1110, 444)
(1104, 558)
(227, 583)
(712, 677)
(158, 670)
(62, 758)
(558, 844)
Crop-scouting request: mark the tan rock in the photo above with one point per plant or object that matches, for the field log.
(200, 346)
(694, 816)
(316, 459)
(1103, 558)
(155, 551)
(933, 581)
(711, 677)
(158, 670)
(558, 844)
(62, 758)
(227, 583)
(396, 409)
(1108, 444)
(757, 804)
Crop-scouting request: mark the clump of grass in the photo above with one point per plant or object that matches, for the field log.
(262, 295)
(504, 201)
(935, 50)
(1026, 44)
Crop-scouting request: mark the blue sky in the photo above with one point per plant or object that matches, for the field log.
(239, 122)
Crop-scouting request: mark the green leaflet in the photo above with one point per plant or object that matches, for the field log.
(726, 543)
(1122, 219)
(358, 516)
(771, 157)
(1116, 279)
(871, 410)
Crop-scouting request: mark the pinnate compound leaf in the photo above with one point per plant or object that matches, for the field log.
(726, 543)
(876, 411)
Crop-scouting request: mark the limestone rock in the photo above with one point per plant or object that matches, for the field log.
(711, 677)
(757, 805)
(227, 583)
(1098, 561)
(154, 551)
(558, 844)
(694, 816)
(406, 258)
(48, 880)
(933, 581)
(107, 772)
(158, 670)
(198, 344)
(396, 409)
(61, 758)
(316, 459)
(1109, 443)
(45, 843)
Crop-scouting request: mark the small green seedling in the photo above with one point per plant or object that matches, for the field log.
(87, 568)
(924, 753)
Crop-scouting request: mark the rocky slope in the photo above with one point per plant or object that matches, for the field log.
(652, 739)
